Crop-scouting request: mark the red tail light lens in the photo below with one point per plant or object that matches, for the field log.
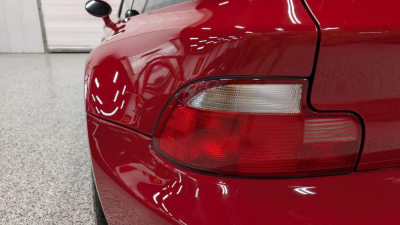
(255, 128)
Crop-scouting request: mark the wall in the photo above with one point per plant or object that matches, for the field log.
(20, 29)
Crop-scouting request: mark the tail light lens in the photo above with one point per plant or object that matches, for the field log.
(251, 127)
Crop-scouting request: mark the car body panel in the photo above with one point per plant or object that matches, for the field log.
(137, 186)
(146, 59)
(157, 53)
(358, 70)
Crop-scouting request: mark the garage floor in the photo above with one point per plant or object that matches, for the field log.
(44, 157)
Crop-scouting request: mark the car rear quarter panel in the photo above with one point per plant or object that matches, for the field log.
(130, 78)
(358, 70)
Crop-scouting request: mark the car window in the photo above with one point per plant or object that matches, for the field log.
(158, 4)
(125, 6)
(143, 6)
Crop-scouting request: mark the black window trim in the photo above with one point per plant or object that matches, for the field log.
(120, 9)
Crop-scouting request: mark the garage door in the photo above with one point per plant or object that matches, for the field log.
(69, 28)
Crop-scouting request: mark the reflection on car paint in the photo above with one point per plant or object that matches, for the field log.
(189, 44)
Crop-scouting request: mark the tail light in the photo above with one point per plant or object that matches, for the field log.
(252, 127)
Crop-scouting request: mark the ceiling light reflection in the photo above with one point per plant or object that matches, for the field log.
(224, 189)
(116, 96)
(292, 14)
(109, 114)
(331, 28)
(165, 197)
(115, 77)
(155, 196)
(98, 99)
(182, 222)
(180, 188)
(304, 190)
(164, 207)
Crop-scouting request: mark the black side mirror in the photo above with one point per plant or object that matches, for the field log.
(98, 8)
(131, 12)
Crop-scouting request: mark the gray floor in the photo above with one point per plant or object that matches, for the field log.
(44, 156)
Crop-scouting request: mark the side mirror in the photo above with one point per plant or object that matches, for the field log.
(98, 8)
(131, 12)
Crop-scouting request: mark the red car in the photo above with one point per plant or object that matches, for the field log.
(246, 112)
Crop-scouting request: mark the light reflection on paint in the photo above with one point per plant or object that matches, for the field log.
(155, 197)
(116, 96)
(98, 99)
(109, 114)
(180, 188)
(292, 14)
(115, 77)
(224, 189)
(304, 190)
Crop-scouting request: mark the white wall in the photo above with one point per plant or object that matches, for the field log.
(69, 27)
(20, 29)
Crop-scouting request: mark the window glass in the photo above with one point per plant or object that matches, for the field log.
(126, 5)
(143, 6)
(158, 4)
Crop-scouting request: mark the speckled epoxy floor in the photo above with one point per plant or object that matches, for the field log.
(44, 156)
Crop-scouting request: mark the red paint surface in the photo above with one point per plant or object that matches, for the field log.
(155, 53)
(155, 56)
(358, 70)
(130, 175)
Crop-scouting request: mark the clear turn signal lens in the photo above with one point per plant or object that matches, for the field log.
(249, 127)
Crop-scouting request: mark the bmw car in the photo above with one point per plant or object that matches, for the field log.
(245, 112)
